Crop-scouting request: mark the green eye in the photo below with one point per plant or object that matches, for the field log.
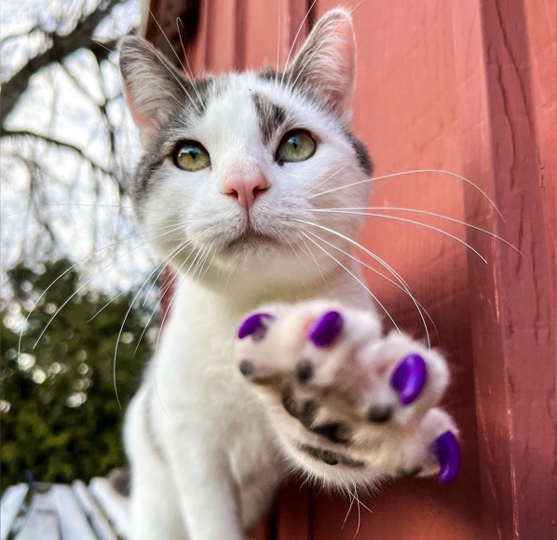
(296, 145)
(191, 156)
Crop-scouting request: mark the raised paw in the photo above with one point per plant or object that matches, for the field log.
(346, 401)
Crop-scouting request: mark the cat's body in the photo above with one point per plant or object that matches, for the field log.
(193, 404)
(234, 172)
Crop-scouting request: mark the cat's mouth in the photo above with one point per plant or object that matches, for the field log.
(250, 239)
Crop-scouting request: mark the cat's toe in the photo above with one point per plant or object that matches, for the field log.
(438, 436)
(409, 378)
(344, 397)
(446, 449)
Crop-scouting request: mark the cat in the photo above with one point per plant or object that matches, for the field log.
(274, 358)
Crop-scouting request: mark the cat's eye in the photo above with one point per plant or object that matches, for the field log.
(191, 156)
(296, 145)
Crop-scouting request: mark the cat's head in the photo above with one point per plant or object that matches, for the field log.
(234, 165)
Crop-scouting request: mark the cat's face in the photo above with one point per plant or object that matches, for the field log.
(234, 165)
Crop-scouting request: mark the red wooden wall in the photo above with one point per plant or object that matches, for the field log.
(467, 86)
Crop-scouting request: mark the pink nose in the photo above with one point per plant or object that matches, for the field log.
(245, 186)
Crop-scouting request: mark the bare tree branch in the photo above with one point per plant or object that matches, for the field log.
(61, 47)
(57, 142)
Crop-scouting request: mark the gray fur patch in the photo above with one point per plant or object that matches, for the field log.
(305, 412)
(362, 155)
(336, 432)
(270, 75)
(331, 458)
(170, 134)
(270, 116)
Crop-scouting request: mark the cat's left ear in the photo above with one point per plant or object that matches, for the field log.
(325, 66)
(155, 90)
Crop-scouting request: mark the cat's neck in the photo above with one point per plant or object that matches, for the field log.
(238, 295)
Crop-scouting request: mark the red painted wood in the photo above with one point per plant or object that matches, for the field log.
(513, 312)
(407, 112)
(467, 86)
(294, 513)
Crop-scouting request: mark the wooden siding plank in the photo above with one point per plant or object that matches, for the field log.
(115, 506)
(406, 110)
(469, 87)
(11, 503)
(42, 520)
(294, 513)
(98, 521)
(513, 308)
(73, 522)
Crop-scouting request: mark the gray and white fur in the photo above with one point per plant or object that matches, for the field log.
(249, 232)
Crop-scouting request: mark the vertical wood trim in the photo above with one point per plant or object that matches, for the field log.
(513, 299)
(294, 513)
(240, 35)
(196, 50)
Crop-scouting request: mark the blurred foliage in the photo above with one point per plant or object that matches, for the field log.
(60, 417)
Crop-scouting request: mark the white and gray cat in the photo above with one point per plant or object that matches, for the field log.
(232, 191)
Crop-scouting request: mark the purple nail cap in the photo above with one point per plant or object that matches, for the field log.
(326, 329)
(409, 378)
(254, 325)
(447, 451)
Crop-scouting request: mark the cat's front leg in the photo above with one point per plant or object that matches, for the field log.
(348, 403)
(208, 496)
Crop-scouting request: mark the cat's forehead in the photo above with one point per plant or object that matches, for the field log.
(230, 104)
(252, 104)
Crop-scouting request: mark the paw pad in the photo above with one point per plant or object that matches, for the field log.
(255, 326)
(304, 371)
(326, 329)
(380, 415)
(409, 378)
(246, 368)
(447, 451)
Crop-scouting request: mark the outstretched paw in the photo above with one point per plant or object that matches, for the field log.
(345, 400)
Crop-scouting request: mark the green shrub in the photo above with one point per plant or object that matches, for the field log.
(61, 419)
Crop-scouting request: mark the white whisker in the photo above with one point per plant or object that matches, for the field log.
(417, 171)
(433, 214)
(404, 220)
(319, 267)
(81, 288)
(368, 252)
(126, 318)
(363, 285)
(402, 287)
(295, 40)
(189, 71)
(352, 499)
(279, 11)
(293, 84)
(326, 179)
(164, 61)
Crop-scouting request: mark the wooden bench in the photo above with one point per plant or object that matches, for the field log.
(61, 512)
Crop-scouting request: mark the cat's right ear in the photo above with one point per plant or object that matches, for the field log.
(155, 90)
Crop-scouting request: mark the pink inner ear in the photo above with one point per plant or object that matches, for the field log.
(327, 61)
(343, 48)
(144, 125)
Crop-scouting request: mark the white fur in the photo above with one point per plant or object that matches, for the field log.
(208, 449)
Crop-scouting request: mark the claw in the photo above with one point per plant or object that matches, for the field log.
(254, 326)
(447, 451)
(409, 378)
(326, 329)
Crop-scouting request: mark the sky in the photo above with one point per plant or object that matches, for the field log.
(84, 209)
